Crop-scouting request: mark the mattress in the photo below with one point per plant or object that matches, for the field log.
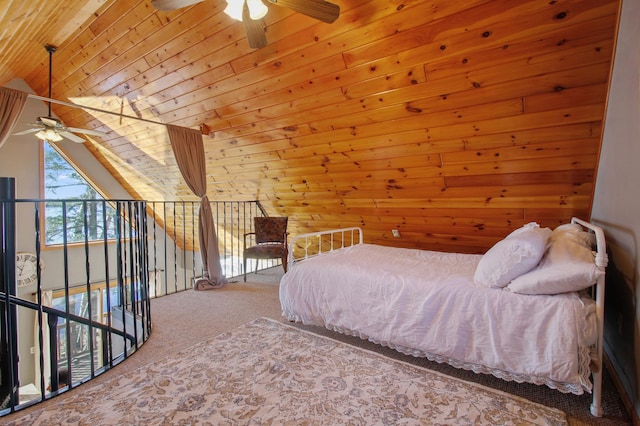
(425, 303)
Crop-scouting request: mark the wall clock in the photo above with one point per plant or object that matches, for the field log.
(26, 269)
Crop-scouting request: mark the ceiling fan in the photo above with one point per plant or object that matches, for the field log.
(51, 129)
(251, 12)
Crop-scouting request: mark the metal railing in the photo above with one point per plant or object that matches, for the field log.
(90, 302)
(57, 329)
(174, 248)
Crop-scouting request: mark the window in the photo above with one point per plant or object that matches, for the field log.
(79, 333)
(74, 209)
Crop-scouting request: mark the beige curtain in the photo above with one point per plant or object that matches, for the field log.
(11, 105)
(188, 149)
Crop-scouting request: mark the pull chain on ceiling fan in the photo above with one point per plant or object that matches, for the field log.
(50, 129)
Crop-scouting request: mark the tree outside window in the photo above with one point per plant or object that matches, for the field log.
(73, 202)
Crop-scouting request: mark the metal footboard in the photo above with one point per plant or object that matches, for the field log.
(313, 244)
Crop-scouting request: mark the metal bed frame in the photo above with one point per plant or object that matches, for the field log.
(305, 246)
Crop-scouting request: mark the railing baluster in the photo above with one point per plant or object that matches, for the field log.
(66, 299)
(193, 239)
(39, 299)
(165, 235)
(184, 247)
(107, 349)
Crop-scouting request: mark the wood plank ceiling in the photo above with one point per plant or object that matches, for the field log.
(453, 122)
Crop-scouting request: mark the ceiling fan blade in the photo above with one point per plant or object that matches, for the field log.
(26, 132)
(71, 137)
(255, 30)
(169, 5)
(86, 131)
(318, 9)
(49, 122)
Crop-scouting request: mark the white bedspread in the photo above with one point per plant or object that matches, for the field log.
(424, 303)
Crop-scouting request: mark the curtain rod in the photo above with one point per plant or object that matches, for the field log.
(55, 101)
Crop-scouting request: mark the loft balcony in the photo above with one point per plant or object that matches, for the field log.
(88, 307)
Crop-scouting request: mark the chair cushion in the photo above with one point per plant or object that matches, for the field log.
(266, 251)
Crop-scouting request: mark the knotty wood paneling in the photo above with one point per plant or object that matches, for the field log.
(453, 122)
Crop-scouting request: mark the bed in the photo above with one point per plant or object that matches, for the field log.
(529, 310)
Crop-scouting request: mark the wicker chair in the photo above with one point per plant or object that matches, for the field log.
(270, 241)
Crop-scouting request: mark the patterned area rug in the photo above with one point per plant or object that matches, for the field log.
(266, 372)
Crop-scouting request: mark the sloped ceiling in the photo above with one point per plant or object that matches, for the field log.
(453, 122)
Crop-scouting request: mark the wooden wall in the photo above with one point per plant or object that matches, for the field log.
(453, 122)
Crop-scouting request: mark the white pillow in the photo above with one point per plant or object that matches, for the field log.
(568, 265)
(518, 253)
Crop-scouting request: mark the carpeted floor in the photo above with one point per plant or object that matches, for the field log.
(184, 319)
(269, 373)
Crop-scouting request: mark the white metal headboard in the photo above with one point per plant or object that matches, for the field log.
(601, 260)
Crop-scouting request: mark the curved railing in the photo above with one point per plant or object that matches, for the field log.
(89, 307)
(56, 337)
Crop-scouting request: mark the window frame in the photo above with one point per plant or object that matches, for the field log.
(42, 219)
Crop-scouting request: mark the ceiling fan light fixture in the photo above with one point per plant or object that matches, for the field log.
(257, 9)
(49, 135)
(234, 9)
